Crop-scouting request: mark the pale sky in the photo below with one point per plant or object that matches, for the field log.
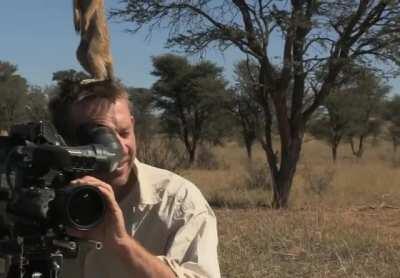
(38, 36)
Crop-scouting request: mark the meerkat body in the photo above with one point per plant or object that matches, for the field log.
(93, 52)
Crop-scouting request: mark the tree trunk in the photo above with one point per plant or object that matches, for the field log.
(360, 148)
(190, 149)
(282, 181)
(249, 147)
(334, 151)
(353, 150)
(192, 156)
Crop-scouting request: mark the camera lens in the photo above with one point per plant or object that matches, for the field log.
(81, 207)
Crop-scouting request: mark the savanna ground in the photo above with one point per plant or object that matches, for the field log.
(343, 220)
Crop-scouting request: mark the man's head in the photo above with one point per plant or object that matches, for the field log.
(100, 102)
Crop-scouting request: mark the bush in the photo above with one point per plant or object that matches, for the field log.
(257, 176)
(163, 153)
(206, 159)
(317, 183)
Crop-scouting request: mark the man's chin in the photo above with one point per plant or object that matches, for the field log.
(119, 177)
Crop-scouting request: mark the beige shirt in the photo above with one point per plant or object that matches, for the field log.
(169, 217)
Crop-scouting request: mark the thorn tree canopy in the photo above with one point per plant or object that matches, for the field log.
(313, 35)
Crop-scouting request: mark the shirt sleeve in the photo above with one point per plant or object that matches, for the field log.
(193, 248)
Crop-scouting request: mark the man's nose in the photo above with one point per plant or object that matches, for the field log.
(124, 145)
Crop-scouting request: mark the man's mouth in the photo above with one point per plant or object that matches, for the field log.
(122, 164)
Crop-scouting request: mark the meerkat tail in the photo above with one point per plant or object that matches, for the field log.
(94, 52)
(77, 16)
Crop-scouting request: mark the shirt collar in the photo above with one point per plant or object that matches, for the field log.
(146, 188)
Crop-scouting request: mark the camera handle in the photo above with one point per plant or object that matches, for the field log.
(45, 267)
(54, 271)
(43, 264)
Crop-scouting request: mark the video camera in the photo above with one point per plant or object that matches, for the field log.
(38, 205)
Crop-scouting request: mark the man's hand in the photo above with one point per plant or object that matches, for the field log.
(113, 234)
(111, 231)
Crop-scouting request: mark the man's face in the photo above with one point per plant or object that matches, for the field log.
(117, 117)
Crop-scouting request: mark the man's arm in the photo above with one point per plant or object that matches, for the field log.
(114, 236)
(143, 264)
(192, 251)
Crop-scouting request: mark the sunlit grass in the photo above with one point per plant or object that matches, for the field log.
(343, 219)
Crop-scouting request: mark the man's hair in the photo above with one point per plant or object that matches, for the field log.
(71, 93)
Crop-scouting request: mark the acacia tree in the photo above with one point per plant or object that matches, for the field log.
(69, 75)
(392, 116)
(243, 104)
(332, 120)
(368, 94)
(37, 102)
(188, 97)
(314, 34)
(13, 91)
(146, 122)
(352, 111)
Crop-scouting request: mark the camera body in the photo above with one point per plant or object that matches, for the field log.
(35, 197)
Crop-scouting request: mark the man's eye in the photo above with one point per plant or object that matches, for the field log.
(124, 133)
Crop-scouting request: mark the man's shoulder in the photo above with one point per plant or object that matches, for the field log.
(173, 189)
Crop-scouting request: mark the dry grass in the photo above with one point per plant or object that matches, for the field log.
(343, 219)
(307, 243)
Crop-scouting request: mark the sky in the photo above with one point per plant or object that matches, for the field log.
(38, 36)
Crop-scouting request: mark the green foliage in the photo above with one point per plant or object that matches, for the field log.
(243, 103)
(69, 75)
(143, 110)
(13, 92)
(37, 101)
(392, 116)
(18, 101)
(312, 35)
(189, 99)
(146, 121)
(368, 94)
(332, 119)
(352, 111)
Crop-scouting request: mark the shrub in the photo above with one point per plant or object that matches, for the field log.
(257, 176)
(206, 159)
(163, 153)
(317, 183)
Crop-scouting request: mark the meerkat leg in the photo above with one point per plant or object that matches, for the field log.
(96, 63)
(82, 55)
(94, 5)
(110, 70)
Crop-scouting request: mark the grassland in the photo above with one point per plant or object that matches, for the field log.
(343, 220)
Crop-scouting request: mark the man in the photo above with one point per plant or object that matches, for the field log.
(157, 224)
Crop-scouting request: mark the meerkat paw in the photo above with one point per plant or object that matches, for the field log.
(90, 80)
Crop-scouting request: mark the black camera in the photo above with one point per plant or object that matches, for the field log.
(37, 204)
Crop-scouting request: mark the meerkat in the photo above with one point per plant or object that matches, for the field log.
(93, 52)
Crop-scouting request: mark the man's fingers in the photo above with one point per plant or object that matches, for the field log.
(87, 180)
(76, 233)
(104, 188)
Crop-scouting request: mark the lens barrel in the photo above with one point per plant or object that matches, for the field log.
(79, 207)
